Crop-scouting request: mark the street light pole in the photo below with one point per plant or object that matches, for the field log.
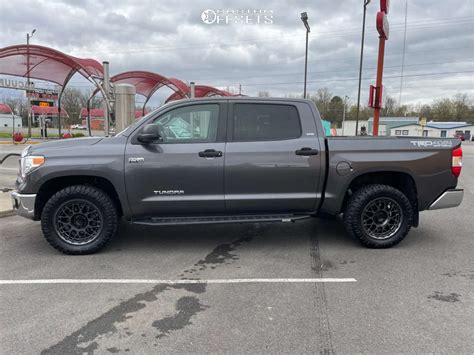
(366, 2)
(28, 36)
(304, 18)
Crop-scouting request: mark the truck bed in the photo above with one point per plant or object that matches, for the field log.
(425, 160)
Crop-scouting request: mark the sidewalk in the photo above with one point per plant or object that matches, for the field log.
(6, 208)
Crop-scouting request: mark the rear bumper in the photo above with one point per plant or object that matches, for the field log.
(24, 204)
(449, 198)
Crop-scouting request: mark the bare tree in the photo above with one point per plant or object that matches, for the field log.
(443, 110)
(322, 99)
(460, 107)
(73, 100)
(389, 107)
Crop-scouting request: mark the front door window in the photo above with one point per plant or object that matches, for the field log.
(190, 124)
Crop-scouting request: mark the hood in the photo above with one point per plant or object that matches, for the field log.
(64, 143)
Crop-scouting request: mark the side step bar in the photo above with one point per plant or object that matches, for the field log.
(164, 221)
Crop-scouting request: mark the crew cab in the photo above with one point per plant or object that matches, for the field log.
(233, 160)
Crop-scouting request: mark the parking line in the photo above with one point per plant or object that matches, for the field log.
(173, 282)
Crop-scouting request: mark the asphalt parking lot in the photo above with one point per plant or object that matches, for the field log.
(417, 297)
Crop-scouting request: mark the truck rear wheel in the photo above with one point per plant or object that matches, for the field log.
(79, 219)
(379, 216)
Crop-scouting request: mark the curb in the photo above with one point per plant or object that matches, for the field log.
(7, 213)
(25, 143)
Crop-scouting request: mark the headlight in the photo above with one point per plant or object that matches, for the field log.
(30, 163)
(24, 153)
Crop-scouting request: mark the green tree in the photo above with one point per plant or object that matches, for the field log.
(336, 109)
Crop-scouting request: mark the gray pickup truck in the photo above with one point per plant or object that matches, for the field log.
(233, 160)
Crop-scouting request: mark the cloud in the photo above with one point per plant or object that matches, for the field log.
(171, 39)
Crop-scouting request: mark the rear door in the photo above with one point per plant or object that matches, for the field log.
(273, 160)
(184, 173)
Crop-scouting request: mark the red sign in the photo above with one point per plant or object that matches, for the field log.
(384, 6)
(383, 27)
(375, 97)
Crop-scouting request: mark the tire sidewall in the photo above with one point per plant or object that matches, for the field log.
(93, 195)
(371, 193)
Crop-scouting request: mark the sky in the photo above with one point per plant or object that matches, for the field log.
(171, 38)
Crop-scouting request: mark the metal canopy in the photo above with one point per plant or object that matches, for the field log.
(200, 91)
(146, 83)
(46, 64)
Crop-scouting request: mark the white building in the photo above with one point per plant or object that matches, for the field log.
(349, 127)
(6, 121)
(435, 129)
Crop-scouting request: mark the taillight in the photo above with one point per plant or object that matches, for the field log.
(456, 165)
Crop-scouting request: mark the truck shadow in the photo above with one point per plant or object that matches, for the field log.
(147, 238)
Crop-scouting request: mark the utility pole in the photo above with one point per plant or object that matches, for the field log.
(403, 55)
(28, 36)
(366, 2)
(344, 113)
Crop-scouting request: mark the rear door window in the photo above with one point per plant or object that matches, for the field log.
(265, 122)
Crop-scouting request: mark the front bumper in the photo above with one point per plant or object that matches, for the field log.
(24, 204)
(449, 198)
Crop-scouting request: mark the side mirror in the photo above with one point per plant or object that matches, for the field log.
(149, 134)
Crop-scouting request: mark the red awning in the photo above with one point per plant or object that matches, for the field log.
(4, 108)
(46, 64)
(94, 112)
(99, 113)
(48, 110)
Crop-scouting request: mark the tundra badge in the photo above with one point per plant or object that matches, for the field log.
(169, 192)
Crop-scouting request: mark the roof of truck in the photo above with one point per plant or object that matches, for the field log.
(243, 98)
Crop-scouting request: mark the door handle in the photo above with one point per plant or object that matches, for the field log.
(210, 153)
(306, 151)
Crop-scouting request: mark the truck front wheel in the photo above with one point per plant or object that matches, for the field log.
(379, 216)
(79, 219)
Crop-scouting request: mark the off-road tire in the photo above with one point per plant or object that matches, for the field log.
(360, 199)
(98, 198)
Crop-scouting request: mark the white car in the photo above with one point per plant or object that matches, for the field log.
(78, 126)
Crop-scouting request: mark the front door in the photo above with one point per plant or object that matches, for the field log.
(184, 172)
(273, 162)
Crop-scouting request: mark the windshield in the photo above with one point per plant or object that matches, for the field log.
(136, 123)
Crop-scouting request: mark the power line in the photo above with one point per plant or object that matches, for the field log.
(338, 71)
(350, 79)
